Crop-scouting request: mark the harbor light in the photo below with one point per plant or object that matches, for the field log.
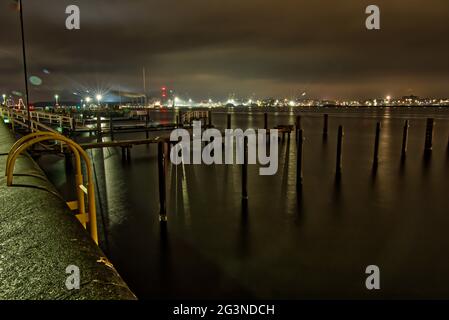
(99, 97)
(4, 98)
(56, 98)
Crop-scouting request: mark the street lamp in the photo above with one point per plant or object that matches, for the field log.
(56, 98)
(4, 99)
(88, 99)
(25, 71)
(99, 97)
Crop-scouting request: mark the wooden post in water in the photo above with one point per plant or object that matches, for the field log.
(405, 138)
(99, 138)
(12, 122)
(299, 158)
(297, 127)
(209, 117)
(228, 124)
(245, 170)
(147, 122)
(376, 145)
(161, 170)
(265, 121)
(339, 151)
(111, 126)
(326, 125)
(429, 135)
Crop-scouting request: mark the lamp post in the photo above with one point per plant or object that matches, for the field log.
(24, 64)
(4, 99)
(56, 99)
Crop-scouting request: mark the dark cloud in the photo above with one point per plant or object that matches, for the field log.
(211, 47)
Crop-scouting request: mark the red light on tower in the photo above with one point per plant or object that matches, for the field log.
(164, 92)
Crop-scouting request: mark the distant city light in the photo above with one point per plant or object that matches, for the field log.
(88, 99)
(99, 97)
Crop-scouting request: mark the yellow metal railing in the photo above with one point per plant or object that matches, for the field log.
(86, 218)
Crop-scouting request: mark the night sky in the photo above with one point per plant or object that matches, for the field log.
(211, 48)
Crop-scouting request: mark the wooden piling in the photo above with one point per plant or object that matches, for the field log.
(162, 193)
(265, 121)
(111, 127)
(245, 170)
(228, 124)
(99, 138)
(299, 159)
(147, 122)
(297, 127)
(376, 144)
(326, 125)
(209, 117)
(405, 138)
(339, 151)
(429, 135)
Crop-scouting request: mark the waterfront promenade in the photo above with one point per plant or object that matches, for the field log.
(40, 238)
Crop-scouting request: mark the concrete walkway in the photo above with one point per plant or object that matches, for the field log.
(40, 238)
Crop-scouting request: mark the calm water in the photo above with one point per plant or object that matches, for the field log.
(315, 244)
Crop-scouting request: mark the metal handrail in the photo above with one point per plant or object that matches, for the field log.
(27, 141)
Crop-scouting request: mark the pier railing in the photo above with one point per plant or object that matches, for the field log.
(40, 121)
(190, 116)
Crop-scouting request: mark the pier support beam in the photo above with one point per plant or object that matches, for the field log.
(99, 133)
(265, 121)
(429, 135)
(297, 127)
(162, 192)
(339, 166)
(376, 145)
(111, 127)
(299, 159)
(245, 170)
(405, 139)
(326, 125)
(209, 117)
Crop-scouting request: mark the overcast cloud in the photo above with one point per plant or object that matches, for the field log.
(210, 48)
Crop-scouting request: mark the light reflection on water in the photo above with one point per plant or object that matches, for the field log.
(284, 244)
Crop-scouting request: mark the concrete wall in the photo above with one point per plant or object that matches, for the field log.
(40, 237)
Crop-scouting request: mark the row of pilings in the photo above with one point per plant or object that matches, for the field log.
(299, 134)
